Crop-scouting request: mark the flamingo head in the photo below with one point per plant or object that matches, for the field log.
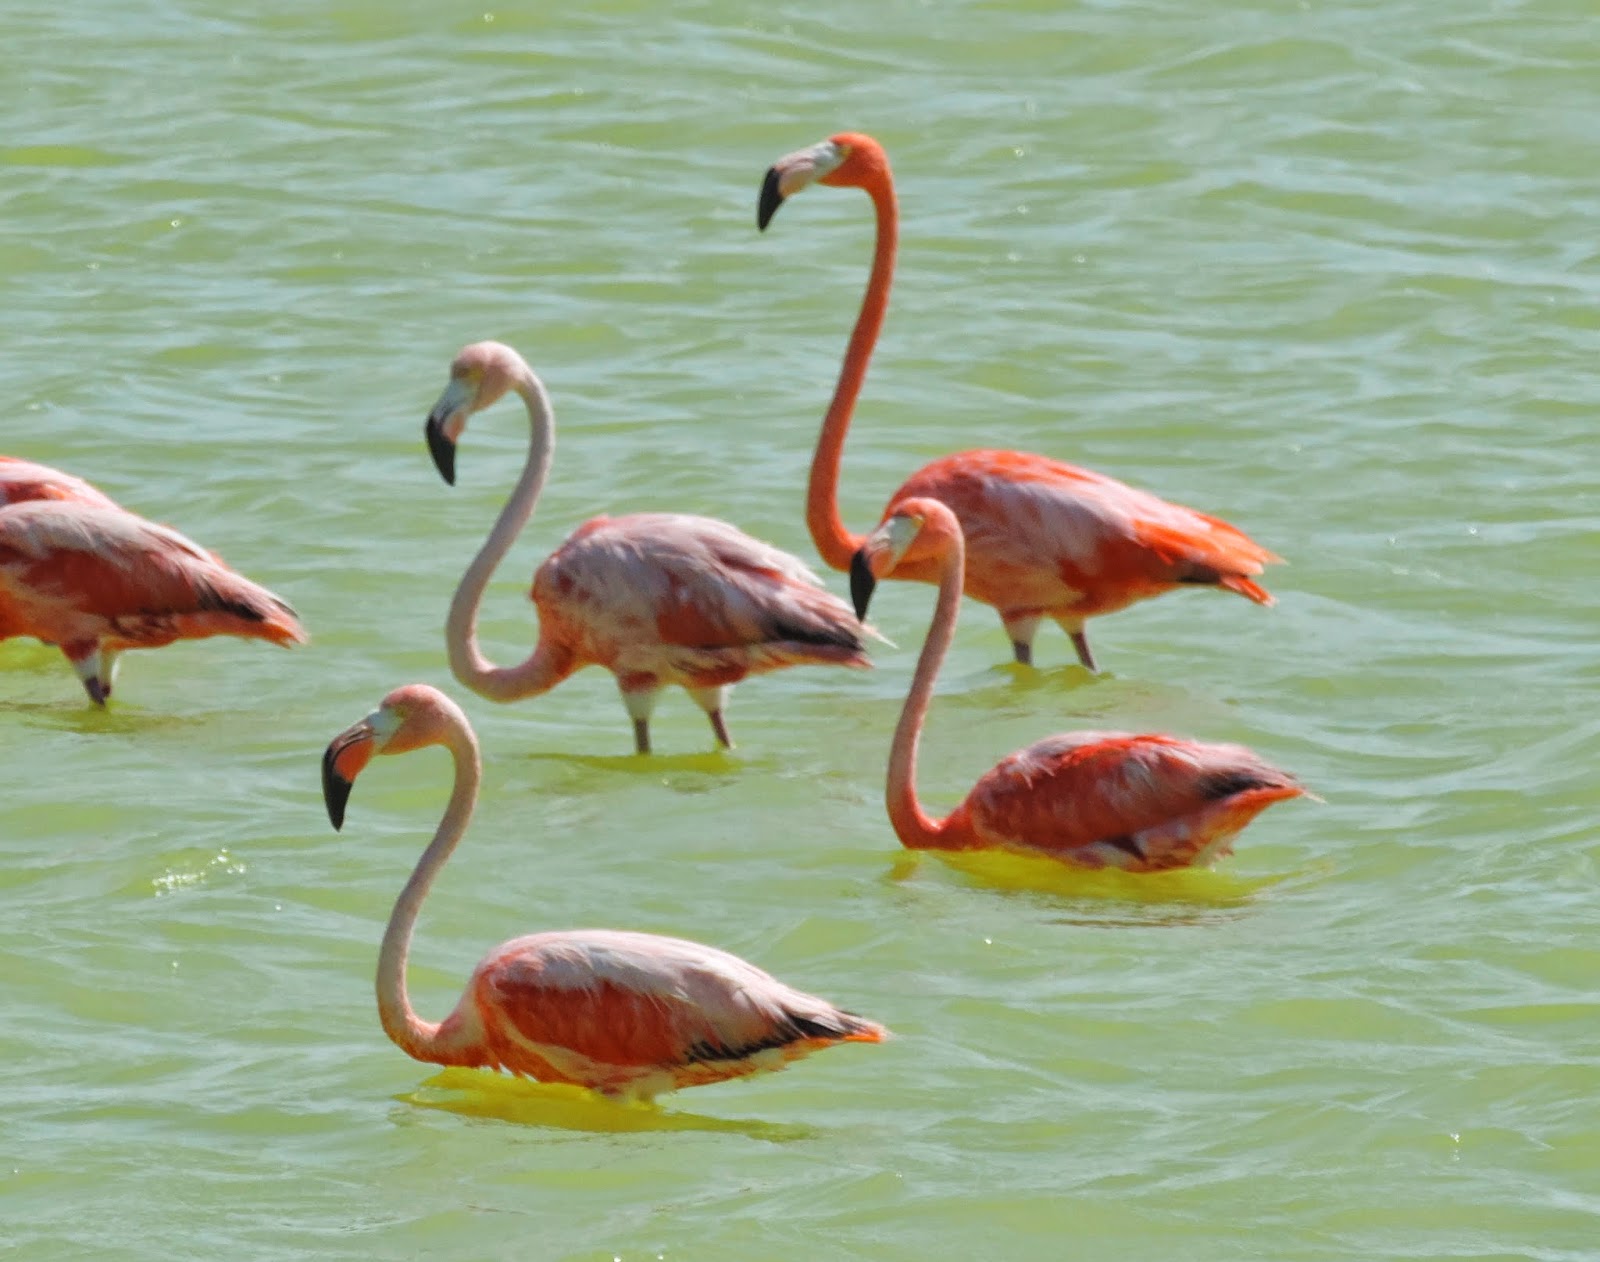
(850, 159)
(479, 375)
(917, 529)
(407, 719)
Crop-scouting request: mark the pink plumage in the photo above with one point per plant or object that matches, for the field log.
(96, 581)
(23, 480)
(658, 599)
(1143, 803)
(1045, 539)
(628, 1014)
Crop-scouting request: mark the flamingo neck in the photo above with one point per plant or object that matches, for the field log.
(418, 1038)
(915, 828)
(467, 662)
(836, 544)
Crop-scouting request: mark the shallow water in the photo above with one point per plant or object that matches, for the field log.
(1327, 271)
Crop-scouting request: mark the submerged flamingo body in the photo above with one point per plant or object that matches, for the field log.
(637, 1014)
(97, 581)
(1045, 539)
(628, 1014)
(1143, 803)
(658, 599)
(23, 480)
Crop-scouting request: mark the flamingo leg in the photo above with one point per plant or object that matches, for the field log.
(641, 703)
(713, 701)
(89, 663)
(1080, 642)
(1021, 627)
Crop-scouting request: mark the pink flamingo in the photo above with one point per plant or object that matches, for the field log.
(1046, 539)
(95, 581)
(655, 598)
(22, 480)
(1094, 799)
(629, 1014)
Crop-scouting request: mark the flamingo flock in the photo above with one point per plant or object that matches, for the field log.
(673, 600)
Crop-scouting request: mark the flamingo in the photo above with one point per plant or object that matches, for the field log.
(627, 1014)
(1143, 803)
(22, 480)
(95, 581)
(655, 598)
(1047, 539)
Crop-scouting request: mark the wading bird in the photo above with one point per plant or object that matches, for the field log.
(22, 480)
(655, 598)
(629, 1014)
(1143, 803)
(1046, 539)
(96, 581)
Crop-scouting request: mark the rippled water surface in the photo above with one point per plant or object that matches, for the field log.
(1327, 270)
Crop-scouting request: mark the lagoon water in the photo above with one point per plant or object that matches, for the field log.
(1327, 270)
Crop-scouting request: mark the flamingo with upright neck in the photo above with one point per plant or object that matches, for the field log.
(1143, 803)
(1045, 539)
(655, 598)
(627, 1014)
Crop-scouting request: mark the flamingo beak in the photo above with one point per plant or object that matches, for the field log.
(863, 582)
(441, 447)
(792, 172)
(771, 198)
(346, 755)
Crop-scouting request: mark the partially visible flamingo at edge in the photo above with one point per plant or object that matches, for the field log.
(1045, 539)
(1142, 803)
(658, 599)
(23, 480)
(96, 581)
(627, 1014)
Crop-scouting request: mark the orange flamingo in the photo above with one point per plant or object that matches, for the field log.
(1046, 539)
(1094, 799)
(629, 1014)
(22, 480)
(655, 598)
(96, 581)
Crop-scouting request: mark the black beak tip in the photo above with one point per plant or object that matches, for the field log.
(335, 790)
(862, 583)
(771, 199)
(442, 449)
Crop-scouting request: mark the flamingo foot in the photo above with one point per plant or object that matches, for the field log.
(641, 736)
(720, 728)
(1080, 641)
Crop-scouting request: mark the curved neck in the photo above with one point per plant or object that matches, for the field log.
(467, 662)
(835, 544)
(419, 1038)
(914, 828)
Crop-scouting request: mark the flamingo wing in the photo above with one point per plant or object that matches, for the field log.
(100, 572)
(609, 1009)
(23, 480)
(1109, 797)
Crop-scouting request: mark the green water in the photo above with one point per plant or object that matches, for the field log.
(1327, 270)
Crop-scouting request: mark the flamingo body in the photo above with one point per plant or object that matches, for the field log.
(1048, 539)
(655, 598)
(23, 480)
(1044, 538)
(1143, 803)
(668, 598)
(96, 581)
(628, 1014)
